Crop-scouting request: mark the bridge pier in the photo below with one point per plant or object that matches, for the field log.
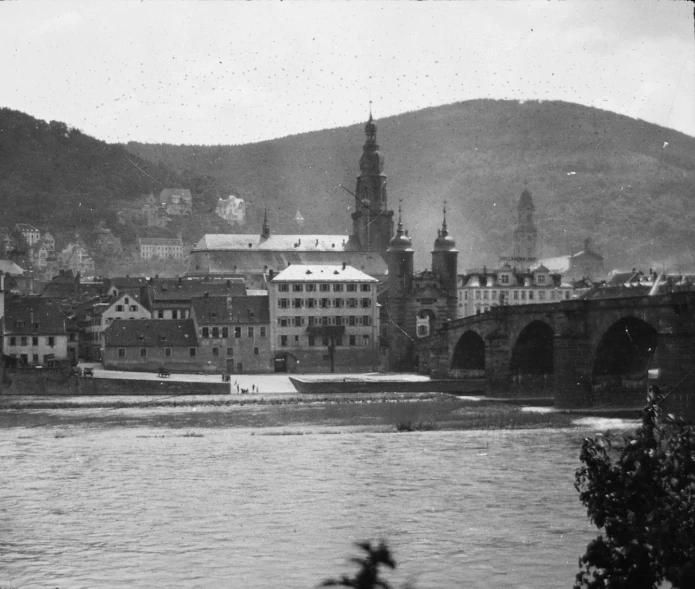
(572, 371)
(497, 376)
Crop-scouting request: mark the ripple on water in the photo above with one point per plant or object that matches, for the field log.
(127, 507)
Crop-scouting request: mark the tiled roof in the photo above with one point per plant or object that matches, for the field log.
(322, 273)
(257, 261)
(9, 267)
(26, 227)
(279, 243)
(187, 288)
(615, 292)
(165, 333)
(517, 279)
(243, 309)
(159, 241)
(33, 316)
(167, 193)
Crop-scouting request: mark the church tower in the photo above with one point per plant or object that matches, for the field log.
(525, 234)
(445, 259)
(401, 322)
(372, 222)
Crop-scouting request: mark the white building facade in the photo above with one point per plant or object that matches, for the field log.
(479, 291)
(324, 319)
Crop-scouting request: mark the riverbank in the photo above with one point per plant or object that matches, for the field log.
(370, 411)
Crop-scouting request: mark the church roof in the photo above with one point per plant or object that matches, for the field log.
(278, 243)
(223, 262)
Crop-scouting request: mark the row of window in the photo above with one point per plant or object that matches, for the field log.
(122, 308)
(311, 340)
(540, 278)
(35, 358)
(324, 303)
(299, 321)
(223, 332)
(20, 325)
(175, 314)
(24, 340)
(517, 295)
(192, 352)
(335, 287)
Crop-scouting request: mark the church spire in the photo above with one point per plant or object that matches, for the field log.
(265, 232)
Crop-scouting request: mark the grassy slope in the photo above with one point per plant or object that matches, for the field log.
(478, 156)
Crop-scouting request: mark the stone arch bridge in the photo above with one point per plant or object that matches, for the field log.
(584, 353)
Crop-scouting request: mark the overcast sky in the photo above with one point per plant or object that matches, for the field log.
(232, 72)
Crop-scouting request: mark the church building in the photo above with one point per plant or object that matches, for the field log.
(256, 257)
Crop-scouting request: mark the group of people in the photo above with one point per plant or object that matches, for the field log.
(240, 391)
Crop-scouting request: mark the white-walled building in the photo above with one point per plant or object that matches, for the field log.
(480, 290)
(34, 330)
(160, 247)
(30, 233)
(232, 209)
(323, 319)
(102, 315)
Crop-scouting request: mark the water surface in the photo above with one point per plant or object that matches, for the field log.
(143, 507)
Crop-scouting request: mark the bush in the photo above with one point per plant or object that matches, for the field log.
(368, 576)
(641, 495)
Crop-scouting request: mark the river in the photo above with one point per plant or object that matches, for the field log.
(144, 507)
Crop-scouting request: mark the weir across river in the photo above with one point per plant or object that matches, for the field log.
(583, 353)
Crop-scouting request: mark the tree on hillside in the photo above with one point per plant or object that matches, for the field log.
(641, 495)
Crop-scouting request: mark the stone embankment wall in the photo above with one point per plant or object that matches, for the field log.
(33, 382)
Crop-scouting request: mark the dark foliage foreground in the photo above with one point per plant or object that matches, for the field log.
(641, 495)
(368, 575)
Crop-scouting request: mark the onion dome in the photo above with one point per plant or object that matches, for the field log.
(444, 242)
(371, 162)
(400, 241)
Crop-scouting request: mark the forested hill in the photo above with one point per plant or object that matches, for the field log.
(59, 178)
(592, 173)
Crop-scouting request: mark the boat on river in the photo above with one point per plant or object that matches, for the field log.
(386, 384)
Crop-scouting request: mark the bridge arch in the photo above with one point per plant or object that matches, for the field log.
(469, 355)
(533, 350)
(621, 361)
(531, 363)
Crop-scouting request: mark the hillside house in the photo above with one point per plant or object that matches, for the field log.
(160, 248)
(77, 258)
(30, 233)
(49, 242)
(177, 201)
(231, 209)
